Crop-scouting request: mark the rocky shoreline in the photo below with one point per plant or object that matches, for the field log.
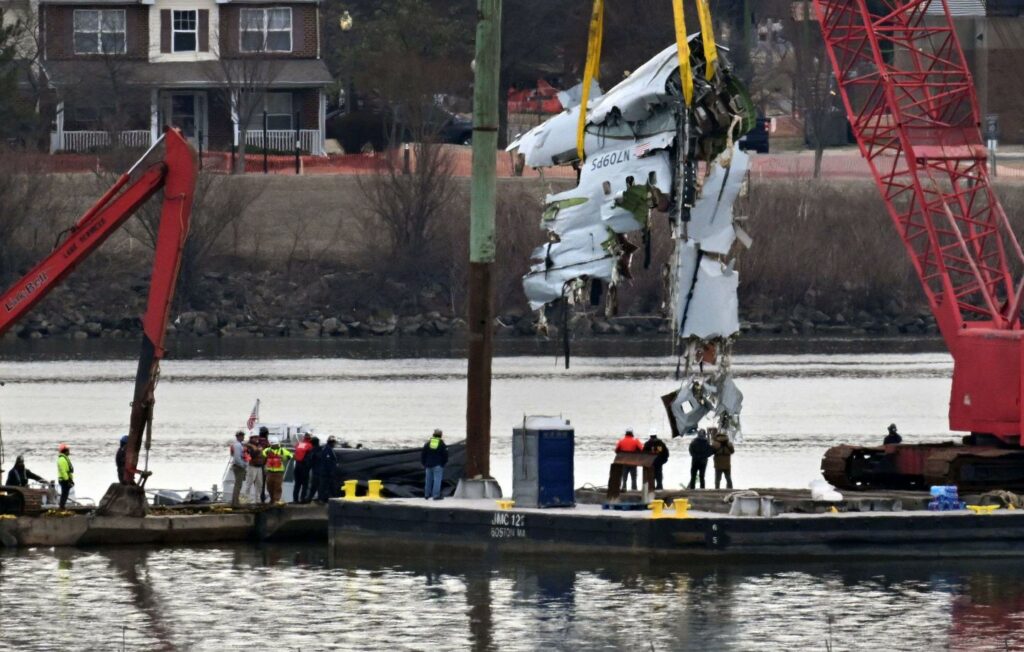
(316, 324)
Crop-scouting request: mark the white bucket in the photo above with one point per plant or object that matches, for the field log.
(745, 506)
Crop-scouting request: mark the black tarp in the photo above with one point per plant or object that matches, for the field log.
(399, 469)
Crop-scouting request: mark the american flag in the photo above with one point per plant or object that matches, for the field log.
(641, 149)
(254, 416)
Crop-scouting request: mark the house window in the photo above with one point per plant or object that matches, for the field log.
(184, 25)
(279, 112)
(266, 30)
(99, 31)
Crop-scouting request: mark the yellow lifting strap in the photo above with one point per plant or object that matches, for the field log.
(590, 72)
(683, 47)
(707, 36)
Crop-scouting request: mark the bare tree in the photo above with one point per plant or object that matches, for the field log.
(26, 198)
(220, 203)
(242, 85)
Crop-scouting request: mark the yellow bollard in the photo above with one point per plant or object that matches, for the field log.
(682, 506)
(505, 504)
(349, 489)
(373, 493)
(656, 506)
(983, 509)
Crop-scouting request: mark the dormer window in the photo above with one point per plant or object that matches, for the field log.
(266, 30)
(99, 31)
(185, 28)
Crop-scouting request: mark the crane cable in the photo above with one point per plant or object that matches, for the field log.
(591, 71)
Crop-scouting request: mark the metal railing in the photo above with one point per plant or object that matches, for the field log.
(283, 140)
(83, 141)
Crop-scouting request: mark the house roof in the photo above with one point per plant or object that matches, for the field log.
(278, 73)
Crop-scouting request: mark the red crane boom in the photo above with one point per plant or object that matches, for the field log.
(176, 175)
(911, 103)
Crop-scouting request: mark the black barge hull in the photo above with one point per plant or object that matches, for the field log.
(476, 527)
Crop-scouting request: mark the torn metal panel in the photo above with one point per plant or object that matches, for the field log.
(713, 309)
(573, 96)
(711, 219)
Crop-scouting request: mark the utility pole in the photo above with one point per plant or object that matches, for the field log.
(481, 245)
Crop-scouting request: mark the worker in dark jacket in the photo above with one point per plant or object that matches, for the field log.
(328, 471)
(700, 453)
(19, 476)
(659, 448)
(434, 458)
(723, 457)
(314, 454)
(892, 437)
(122, 449)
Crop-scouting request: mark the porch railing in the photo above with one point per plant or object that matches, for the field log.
(83, 141)
(283, 140)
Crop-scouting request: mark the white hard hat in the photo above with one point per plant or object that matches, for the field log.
(275, 439)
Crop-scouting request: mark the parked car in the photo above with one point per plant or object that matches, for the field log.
(370, 129)
(756, 139)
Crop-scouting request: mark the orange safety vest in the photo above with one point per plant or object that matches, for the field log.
(275, 458)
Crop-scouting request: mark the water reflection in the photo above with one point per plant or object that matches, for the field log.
(199, 599)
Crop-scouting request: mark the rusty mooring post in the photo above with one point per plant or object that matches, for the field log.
(481, 241)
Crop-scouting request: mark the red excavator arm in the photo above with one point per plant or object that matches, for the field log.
(176, 175)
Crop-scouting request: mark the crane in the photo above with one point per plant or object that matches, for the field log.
(911, 104)
(176, 176)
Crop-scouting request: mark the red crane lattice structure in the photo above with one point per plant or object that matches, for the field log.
(911, 103)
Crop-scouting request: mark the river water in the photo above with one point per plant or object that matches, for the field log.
(212, 598)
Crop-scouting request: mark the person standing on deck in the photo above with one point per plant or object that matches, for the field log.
(892, 437)
(65, 473)
(434, 458)
(659, 448)
(723, 457)
(700, 453)
(328, 470)
(122, 449)
(239, 467)
(314, 455)
(277, 459)
(629, 444)
(254, 474)
(19, 476)
(302, 460)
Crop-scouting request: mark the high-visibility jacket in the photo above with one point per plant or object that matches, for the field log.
(65, 470)
(629, 445)
(276, 455)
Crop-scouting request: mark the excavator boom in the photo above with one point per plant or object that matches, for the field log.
(176, 175)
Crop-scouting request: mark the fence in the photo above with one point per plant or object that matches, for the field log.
(84, 141)
(283, 140)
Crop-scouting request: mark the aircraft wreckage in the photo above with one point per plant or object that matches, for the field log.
(654, 143)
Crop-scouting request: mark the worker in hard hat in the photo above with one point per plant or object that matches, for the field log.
(65, 473)
(434, 457)
(892, 437)
(629, 444)
(659, 448)
(119, 459)
(724, 450)
(277, 457)
(19, 476)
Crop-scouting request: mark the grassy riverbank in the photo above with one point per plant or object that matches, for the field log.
(285, 256)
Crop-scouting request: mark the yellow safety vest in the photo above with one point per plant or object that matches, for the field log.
(275, 458)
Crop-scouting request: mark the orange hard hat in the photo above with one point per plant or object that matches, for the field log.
(61, 448)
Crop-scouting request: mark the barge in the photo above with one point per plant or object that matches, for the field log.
(482, 527)
(186, 525)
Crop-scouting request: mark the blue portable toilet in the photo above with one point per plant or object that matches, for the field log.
(542, 463)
